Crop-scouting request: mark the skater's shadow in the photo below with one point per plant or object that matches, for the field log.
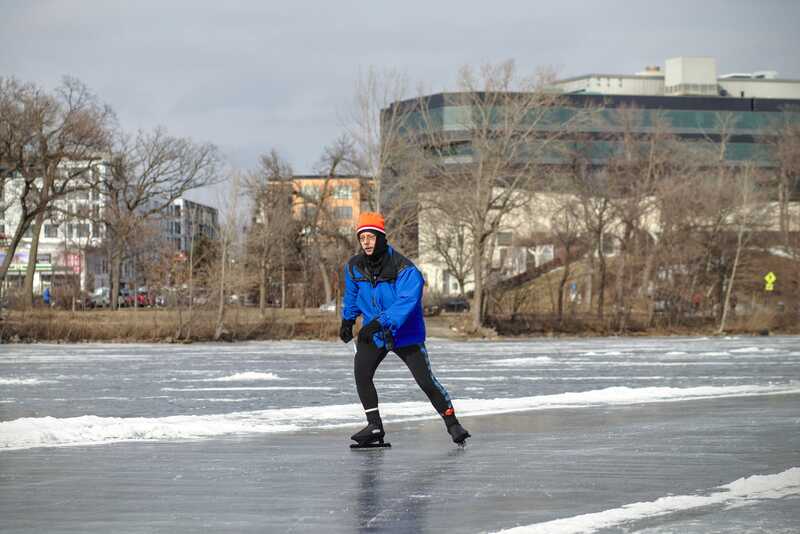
(369, 491)
(394, 498)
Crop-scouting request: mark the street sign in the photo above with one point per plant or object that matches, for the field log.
(770, 279)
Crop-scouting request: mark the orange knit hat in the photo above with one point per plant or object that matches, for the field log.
(369, 220)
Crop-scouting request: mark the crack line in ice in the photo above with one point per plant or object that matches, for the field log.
(742, 492)
(33, 432)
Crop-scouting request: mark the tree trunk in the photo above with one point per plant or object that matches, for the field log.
(326, 282)
(283, 277)
(11, 249)
(619, 296)
(135, 284)
(262, 291)
(783, 211)
(601, 290)
(477, 268)
(116, 272)
(190, 313)
(729, 289)
(220, 328)
(30, 271)
(562, 283)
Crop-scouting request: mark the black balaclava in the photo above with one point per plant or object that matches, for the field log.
(376, 259)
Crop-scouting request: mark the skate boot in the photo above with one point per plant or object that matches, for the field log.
(371, 435)
(459, 434)
(454, 428)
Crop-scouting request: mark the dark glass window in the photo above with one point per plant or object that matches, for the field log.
(51, 230)
(505, 239)
(343, 212)
(344, 192)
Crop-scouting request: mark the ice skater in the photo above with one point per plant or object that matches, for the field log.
(385, 288)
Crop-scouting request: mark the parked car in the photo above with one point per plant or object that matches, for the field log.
(143, 297)
(429, 310)
(100, 298)
(455, 304)
(329, 307)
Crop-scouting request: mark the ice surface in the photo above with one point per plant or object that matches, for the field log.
(618, 434)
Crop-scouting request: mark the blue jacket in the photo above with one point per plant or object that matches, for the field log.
(394, 297)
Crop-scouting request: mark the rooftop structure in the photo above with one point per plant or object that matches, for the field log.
(684, 76)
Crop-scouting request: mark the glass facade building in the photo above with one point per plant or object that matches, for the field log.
(748, 124)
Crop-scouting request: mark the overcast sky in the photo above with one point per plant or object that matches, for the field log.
(254, 75)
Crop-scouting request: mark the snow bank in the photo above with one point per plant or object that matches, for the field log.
(93, 430)
(741, 492)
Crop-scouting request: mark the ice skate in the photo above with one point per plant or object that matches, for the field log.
(459, 434)
(371, 436)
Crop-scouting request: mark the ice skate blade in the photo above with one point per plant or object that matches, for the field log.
(462, 444)
(381, 445)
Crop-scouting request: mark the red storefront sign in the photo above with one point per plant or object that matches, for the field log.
(73, 261)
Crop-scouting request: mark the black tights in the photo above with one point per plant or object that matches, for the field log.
(368, 358)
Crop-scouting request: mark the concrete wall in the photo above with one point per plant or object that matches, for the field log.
(788, 89)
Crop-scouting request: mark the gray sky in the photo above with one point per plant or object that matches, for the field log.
(254, 75)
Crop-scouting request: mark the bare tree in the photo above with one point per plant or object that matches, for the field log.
(634, 172)
(786, 149)
(566, 234)
(750, 212)
(506, 127)
(270, 187)
(48, 145)
(227, 243)
(325, 244)
(449, 243)
(671, 275)
(580, 177)
(147, 173)
(382, 150)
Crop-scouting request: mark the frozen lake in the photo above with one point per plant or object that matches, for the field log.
(635, 435)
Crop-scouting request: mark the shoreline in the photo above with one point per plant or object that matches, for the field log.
(246, 324)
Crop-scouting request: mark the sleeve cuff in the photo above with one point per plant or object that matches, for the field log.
(384, 321)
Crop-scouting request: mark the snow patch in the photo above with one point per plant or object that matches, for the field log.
(522, 361)
(249, 376)
(742, 492)
(24, 381)
(255, 388)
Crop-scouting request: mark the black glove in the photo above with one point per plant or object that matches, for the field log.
(368, 330)
(346, 330)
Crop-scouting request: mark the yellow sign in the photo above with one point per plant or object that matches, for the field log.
(770, 279)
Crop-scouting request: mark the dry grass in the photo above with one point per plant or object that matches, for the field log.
(161, 325)
(758, 312)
